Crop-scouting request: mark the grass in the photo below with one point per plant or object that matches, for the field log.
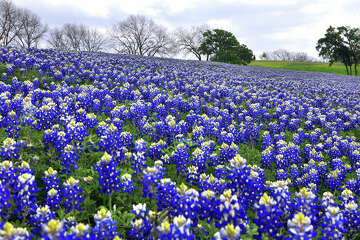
(301, 66)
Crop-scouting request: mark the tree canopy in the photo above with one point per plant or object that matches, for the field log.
(222, 46)
(341, 44)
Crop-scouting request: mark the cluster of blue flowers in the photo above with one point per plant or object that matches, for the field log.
(250, 152)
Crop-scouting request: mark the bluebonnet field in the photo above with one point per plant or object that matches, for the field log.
(102, 146)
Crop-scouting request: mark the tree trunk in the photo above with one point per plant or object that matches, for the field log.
(198, 56)
(207, 57)
(355, 69)
(350, 71)
(347, 69)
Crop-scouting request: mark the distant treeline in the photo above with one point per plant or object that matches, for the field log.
(287, 56)
(140, 35)
(135, 34)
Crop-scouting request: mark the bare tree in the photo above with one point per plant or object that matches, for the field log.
(9, 22)
(93, 41)
(285, 55)
(281, 55)
(301, 57)
(31, 29)
(139, 35)
(72, 37)
(57, 40)
(189, 40)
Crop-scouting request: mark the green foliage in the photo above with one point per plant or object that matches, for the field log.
(222, 46)
(341, 44)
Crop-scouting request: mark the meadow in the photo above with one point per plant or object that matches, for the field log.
(336, 68)
(109, 146)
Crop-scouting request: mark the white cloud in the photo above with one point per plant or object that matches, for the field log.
(225, 24)
(261, 2)
(293, 24)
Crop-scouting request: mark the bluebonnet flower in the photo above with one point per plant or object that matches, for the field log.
(300, 227)
(199, 160)
(355, 157)
(25, 198)
(141, 226)
(208, 147)
(307, 203)
(347, 196)
(53, 199)
(268, 218)
(4, 77)
(151, 177)
(220, 171)
(60, 140)
(267, 140)
(181, 158)
(51, 180)
(79, 232)
(327, 200)
(335, 179)
(88, 179)
(155, 149)
(12, 121)
(229, 232)
(72, 195)
(332, 223)
(188, 203)
(238, 174)
(213, 160)
(208, 204)
(209, 182)
(9, 150)
(166, 194)
(8, 174)
(46, 115)
(68, 159)
(69, 222)
(322, 169)
(24, 167)
(109, 176)
(254, 186)
(227, 152)
(105, 228)
(192, 175)
(54, 229)
(127, 183)
(42, 216)
(140, 145)
(351, 219)
(4, 200)
(281, 174)
(91, 120)
(231, 212)
(334, 152)
(110, 139)
(76, 131)
(267, 158)
(279, 191)
(138, 161)
(8, 231)
(180, 229)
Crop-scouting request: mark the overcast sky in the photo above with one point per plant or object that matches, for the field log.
(263, 25)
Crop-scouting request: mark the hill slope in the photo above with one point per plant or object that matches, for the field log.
(301, 66)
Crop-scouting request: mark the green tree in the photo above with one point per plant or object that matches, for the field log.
(351, 39)
(222, 46)
(341, 44)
